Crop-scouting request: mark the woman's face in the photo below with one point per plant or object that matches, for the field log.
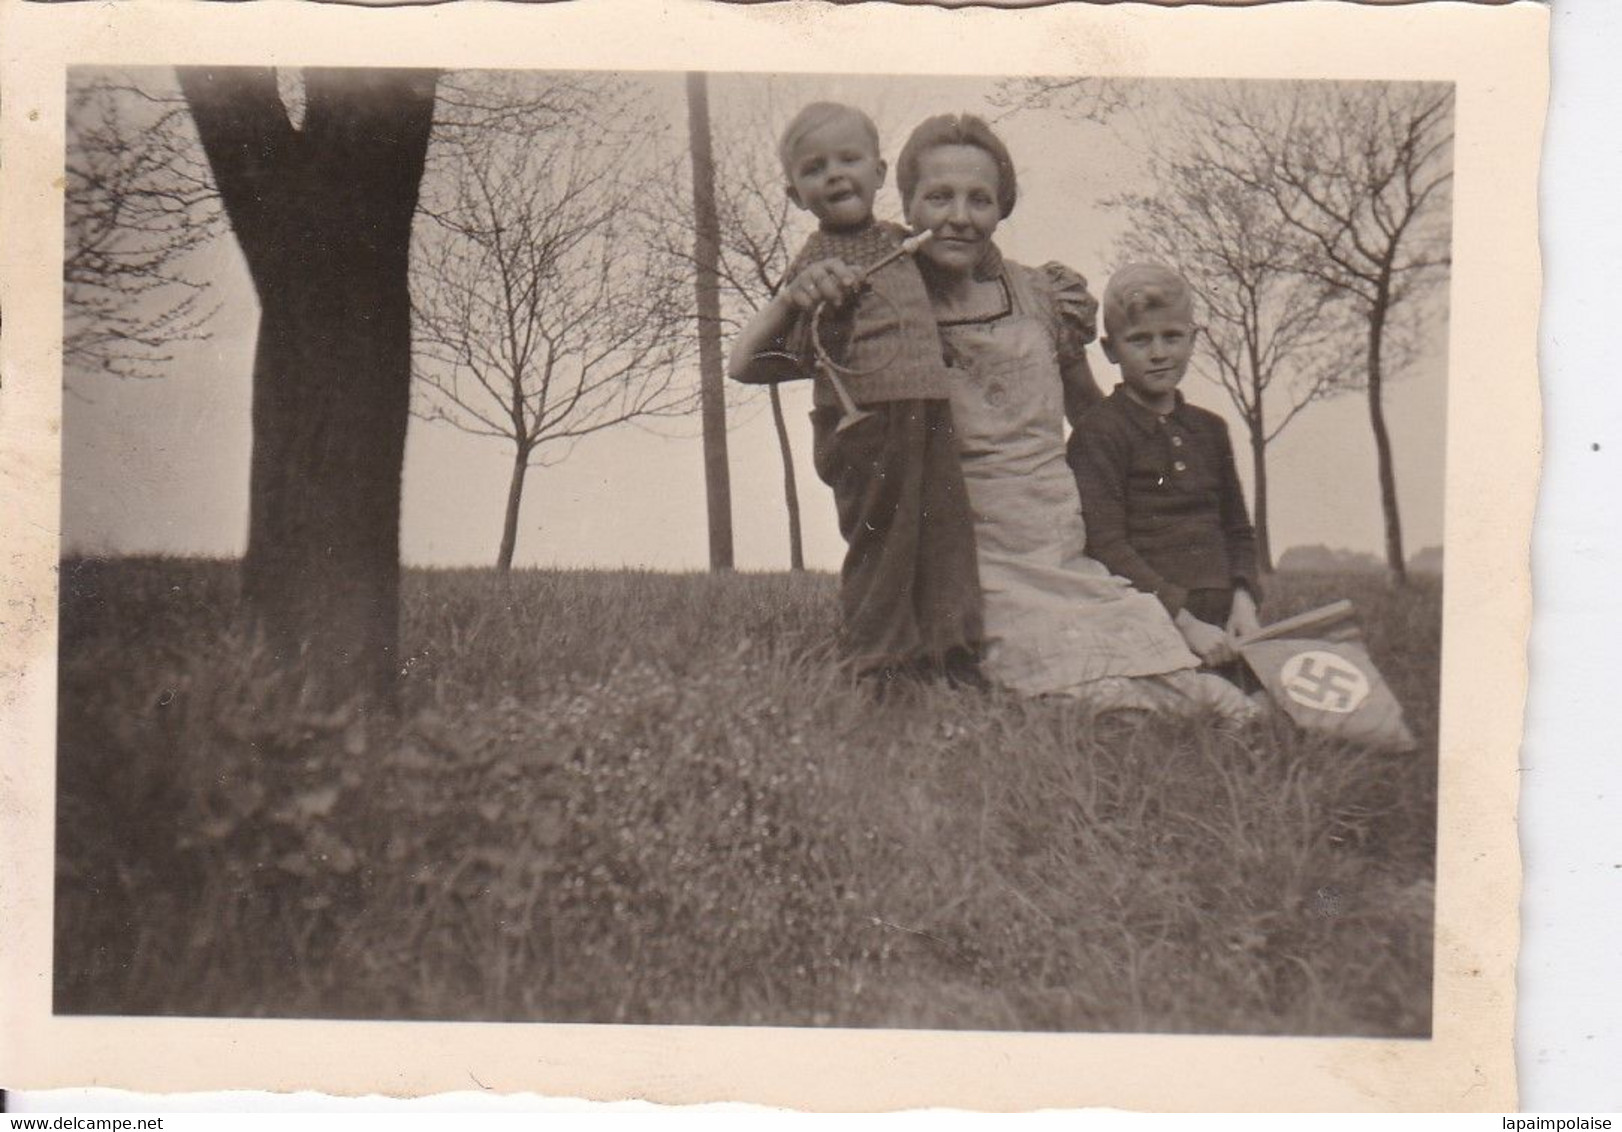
(955, 197)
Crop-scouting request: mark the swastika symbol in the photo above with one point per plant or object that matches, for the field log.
(1324, 681)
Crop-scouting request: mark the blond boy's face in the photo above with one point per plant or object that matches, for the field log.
(834, 173)
(1153, 350)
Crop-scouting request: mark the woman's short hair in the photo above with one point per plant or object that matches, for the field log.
(815, 116)
(956, 129)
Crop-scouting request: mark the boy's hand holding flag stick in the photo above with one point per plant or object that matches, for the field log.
(1333, 622)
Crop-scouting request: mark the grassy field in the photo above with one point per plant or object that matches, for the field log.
(634, 797)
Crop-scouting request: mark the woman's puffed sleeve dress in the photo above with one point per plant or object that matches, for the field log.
(1074, 316)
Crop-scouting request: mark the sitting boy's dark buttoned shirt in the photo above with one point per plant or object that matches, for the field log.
(1162, 500)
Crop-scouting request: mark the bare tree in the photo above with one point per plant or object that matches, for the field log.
(1362, 175)
(756, 225)
(757, 221)
(139, 199)
(1270, 335)
(706, 255)
(543, 312)
(322, 211)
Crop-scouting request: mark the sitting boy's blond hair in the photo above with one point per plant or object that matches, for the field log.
(1138, 288)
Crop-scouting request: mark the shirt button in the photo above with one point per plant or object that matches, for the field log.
(1180, 466)
(1176, 442)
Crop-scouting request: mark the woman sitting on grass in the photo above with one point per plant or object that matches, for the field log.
(1056, 621)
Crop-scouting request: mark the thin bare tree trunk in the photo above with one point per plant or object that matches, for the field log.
(509, 525)
(1258, 460)
(791, 494)
(712, 392)
(1382, 448)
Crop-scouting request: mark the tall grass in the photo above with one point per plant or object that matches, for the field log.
(638, 797)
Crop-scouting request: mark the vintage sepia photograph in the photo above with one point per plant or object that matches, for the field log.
(420, 661)
(638, 565)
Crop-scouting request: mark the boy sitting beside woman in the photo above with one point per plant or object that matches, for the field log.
(1161, 496)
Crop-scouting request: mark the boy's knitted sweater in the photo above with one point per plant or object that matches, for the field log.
(893, 345)
(1162, 499)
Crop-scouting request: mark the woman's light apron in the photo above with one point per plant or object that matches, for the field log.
(1054, 618)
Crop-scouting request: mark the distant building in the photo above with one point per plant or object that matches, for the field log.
(1427, 561)
(1318, 557)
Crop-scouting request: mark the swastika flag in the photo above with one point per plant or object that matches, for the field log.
(1327, 683)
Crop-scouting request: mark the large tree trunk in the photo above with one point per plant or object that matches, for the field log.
(1258, 462)
(791, 493)
(323, 216)
(515, 502)
(1382, 448)
(712, 392)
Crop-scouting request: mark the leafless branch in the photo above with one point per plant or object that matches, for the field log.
(1079, 98)
(139, 201)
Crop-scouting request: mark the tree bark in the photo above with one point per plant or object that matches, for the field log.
(791, 493)
(515, 500)
(323, 216)
(712, 392)
(1382, 447)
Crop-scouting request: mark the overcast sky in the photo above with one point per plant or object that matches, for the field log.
(162, 465)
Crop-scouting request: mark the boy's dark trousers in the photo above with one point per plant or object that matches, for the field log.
(909, 589)
(1214, 607)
